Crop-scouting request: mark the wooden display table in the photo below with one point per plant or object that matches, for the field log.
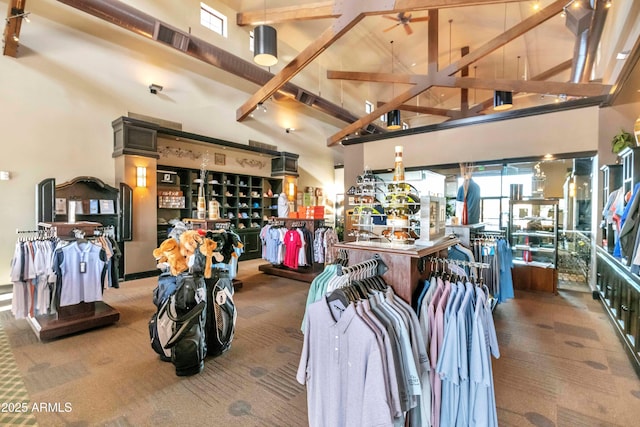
(404, 273)
(72, 319)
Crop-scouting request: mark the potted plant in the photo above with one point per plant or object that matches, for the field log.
(622, 140)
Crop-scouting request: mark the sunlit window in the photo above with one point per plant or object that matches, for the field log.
(213, 20)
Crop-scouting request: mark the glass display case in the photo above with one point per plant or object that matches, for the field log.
(533, 232)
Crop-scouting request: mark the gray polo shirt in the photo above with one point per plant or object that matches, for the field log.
(342, 368)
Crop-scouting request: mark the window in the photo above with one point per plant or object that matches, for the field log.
(213, 20)
(368, 107)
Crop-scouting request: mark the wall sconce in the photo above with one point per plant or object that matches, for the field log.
(154, 88)
(5, 176)
(289, 130)
(291, 190)
(141, 176)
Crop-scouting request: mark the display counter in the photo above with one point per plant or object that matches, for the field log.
(406, 263)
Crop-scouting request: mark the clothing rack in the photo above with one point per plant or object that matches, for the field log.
(105, 230)
(276, 222)
(222, 225)
(489, 235)
(42, 234)
(73, 318)
(374, 267)
(473, 264)
(304, 274)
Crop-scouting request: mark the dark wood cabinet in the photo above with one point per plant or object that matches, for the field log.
(96, 202)
(252, 245)
(246, 201)
(630, 159)
(532, 278)
(129, 138)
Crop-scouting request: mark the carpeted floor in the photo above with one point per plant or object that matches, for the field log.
(561, 365)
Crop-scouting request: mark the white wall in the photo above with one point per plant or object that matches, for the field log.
(560, 132)
(68, 84)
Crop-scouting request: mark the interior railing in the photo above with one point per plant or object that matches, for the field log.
(619, 291)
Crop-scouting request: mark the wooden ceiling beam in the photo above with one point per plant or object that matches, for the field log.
(326, 39)
(374, 77)
(454, 114)
(320, 10)
(12, 27)
(563, 66)
(432, 42)
(363, 122)
(509, 35)
(328, 9)
(350, 12)
(484, 50)
(544, 87)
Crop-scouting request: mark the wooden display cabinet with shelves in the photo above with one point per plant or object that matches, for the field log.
(243, 201)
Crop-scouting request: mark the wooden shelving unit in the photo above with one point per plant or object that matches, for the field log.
(244, 201)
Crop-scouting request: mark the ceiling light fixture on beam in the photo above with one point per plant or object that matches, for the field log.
(19, 13)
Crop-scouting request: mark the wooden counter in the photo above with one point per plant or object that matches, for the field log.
(403, 273)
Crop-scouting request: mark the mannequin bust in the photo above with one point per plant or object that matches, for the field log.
(283, 206)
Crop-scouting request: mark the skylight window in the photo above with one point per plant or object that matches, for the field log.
(213, 20)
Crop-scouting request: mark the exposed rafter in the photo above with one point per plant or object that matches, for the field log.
(328, 9)
(492, 45)
(349, 13)
(12, 27)
(454, 114)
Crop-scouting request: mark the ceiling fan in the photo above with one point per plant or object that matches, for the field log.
(404, 19)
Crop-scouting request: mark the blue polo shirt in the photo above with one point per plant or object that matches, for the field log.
(473, 201)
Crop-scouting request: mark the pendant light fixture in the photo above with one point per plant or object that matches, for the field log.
(394, 122)
(503, 100)
(265, 43)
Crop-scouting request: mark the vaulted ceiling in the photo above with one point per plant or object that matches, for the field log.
(446, 64)
(436, 60)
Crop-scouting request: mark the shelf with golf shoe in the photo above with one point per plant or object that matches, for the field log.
(247, 201)
(244, 199)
